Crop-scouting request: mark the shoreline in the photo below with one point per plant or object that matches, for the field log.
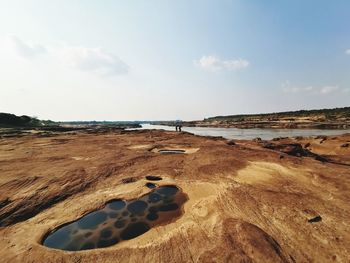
(263, 125)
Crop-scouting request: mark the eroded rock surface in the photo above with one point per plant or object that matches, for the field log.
(245, 203)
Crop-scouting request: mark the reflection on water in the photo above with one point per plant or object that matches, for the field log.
(248, 134)
(119, 220)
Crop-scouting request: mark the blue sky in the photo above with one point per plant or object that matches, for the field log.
(128, 60)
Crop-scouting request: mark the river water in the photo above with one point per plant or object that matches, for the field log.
(248, 134)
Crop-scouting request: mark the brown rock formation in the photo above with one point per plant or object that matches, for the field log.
(245, 203)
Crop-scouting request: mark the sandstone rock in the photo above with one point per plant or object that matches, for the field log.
(244, 204)
(294, 149)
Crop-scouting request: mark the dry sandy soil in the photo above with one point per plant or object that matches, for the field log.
(248, 201)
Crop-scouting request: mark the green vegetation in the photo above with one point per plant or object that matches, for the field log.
(12, 120)
(323, 114)
(116, 123)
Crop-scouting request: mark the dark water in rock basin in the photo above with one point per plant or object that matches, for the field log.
(153, 178)
(150, 185)
(119, 220)
(171, 151)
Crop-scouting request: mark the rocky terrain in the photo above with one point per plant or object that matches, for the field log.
(285, 200)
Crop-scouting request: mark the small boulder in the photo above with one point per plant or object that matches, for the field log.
(231, 142)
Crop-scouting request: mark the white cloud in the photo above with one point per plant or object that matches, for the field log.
(323, 90)
(347, 52)
(91, 60)
(94, 60)
(214, 63)
(24, 49)
(328, 89)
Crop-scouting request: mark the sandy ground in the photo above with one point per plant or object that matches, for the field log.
(246, 203)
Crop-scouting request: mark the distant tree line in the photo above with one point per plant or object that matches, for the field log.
(327, 113)
(12, 120)
(100, 122)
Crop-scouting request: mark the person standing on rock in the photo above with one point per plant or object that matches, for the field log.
(178, 125)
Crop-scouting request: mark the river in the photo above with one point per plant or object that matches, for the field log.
(248, 134)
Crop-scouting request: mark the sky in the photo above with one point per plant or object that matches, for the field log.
(164, 60)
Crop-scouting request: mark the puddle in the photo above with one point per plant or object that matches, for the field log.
(315, 219)
(171, 151)
(150, 185)
(153, 178)
(119, 220)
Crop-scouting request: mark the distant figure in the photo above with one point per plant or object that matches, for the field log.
(178, 125)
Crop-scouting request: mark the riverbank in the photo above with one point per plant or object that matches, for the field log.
(282, 124)
(337, 118)
(284, 200)
(264, 124)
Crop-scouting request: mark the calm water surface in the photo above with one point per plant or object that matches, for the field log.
(248, 134)
(119, 220)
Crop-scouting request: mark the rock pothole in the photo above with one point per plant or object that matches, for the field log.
(150, 185)
(171, 151)
(119, 220)
(153, 178)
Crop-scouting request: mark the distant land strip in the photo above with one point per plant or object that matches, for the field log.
(337, 118)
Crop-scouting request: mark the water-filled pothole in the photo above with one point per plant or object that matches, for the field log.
(150, 185)
(171, 151)
(119, 220)
(153, 178)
